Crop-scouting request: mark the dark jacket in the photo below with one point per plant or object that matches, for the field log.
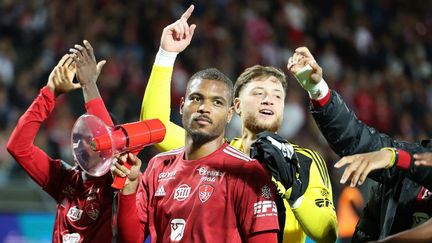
(392, 204)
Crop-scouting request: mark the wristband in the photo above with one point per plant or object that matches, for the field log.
(394, 156)
(316, 91)
(165, 58)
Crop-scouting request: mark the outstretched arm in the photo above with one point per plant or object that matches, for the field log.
(345, 133)
(157, 97)
(43, 170)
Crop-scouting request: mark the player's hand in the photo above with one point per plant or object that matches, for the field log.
(87, 69)
(278, 155)
(360, 165)
(423, 159)
(60, 80)
(301, 58)
(133, 175)
(178, 35)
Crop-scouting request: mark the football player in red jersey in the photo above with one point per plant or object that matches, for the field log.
(206, 191)
(83, 202)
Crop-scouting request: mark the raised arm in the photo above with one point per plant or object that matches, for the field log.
(88, 71)
(41, 168)
(157, 97)
(345, 133)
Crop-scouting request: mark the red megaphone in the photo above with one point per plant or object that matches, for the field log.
(95, 145)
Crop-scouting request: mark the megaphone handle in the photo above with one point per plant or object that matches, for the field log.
(119, 182)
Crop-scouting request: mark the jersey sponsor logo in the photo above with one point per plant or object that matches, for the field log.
(205, 192)
(266, 192)
(206, 172)
(177, 229)
(419, 218)
(265, 209)
(74, 213)
(92, 194)
(209, 175)
(160, 192)
(209, 179)
(182, 192)
(71, 238)
(323, 202)
(92, 210)
(325, 193)
(169, 175)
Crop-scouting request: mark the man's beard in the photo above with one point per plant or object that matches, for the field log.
(199, 137)
(256, 126)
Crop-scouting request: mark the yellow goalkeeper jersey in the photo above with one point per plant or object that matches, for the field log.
(314, 215)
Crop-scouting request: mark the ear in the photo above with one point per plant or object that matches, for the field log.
(230, 114)
(181, 105)
(237, 106)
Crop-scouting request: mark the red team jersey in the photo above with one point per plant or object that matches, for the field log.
(223, 197)
(83, 206)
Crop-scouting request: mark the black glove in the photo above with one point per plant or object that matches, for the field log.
(281, 160)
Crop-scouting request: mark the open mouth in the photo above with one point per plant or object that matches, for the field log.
(266, 112)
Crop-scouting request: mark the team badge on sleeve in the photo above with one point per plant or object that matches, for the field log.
(266, 192)
(205, 192)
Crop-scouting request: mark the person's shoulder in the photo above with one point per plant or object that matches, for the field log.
(238, 162)
(306, 153)
(169, 154)
(162, 159)
(234, 155)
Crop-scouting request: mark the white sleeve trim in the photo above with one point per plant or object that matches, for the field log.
(165, 58)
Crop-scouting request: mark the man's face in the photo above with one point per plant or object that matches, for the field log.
(260, 104)
(206, 109)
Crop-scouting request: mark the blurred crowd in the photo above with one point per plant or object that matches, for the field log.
(376, 53)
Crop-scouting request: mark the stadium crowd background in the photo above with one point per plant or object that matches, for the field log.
(376, 53)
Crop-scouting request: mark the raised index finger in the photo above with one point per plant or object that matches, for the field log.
(185, 16)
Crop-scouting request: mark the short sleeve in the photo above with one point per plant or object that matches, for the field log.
(254, 200)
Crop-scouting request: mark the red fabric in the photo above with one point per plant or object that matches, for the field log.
(130, 229)
(404, 160)
(322, 102)
(267, 236)
(83, 206)
(223, 197)
(97, 107)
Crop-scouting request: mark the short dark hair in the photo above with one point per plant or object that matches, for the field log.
(213, 74)
(258, 71)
